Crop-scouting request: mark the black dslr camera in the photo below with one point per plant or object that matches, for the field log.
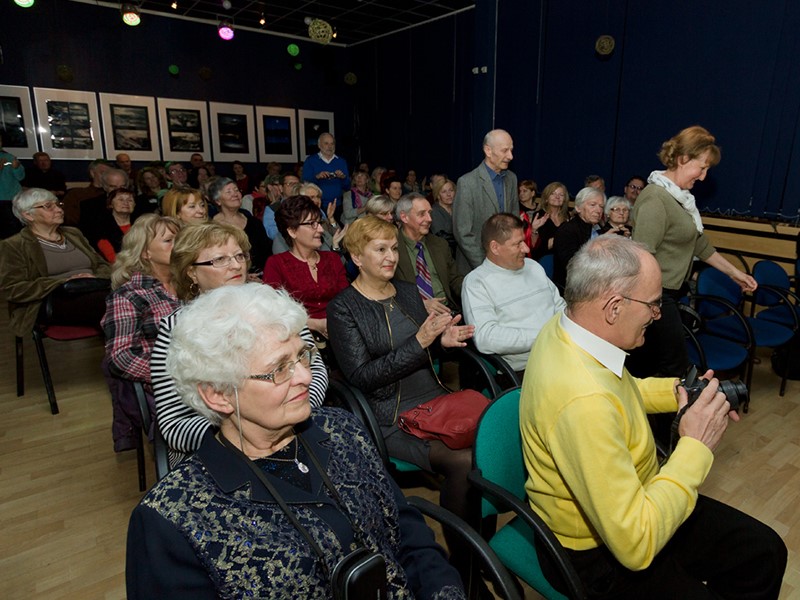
(735, 391)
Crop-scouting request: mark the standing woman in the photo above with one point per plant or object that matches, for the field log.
(667, 221)
(545, 223)
(225, 194)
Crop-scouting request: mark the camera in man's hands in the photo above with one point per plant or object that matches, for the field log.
(735, 391)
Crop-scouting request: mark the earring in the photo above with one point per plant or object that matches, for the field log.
(194, 289)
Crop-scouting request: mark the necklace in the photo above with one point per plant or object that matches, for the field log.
(301, 466)
(308, 261)
(60, 243)
(387, 303)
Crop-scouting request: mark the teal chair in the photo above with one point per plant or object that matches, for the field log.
(500, 476)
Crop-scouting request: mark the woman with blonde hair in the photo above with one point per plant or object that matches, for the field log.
(546, 221)
(185, 204)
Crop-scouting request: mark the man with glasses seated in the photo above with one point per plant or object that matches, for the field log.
(632, 188)
(631, 527)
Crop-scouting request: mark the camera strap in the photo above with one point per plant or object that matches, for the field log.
(285, 507)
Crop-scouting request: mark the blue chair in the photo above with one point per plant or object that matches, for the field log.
(500, 475)
(721, 322)
(708, 351)
(778, 303)
(547, 262)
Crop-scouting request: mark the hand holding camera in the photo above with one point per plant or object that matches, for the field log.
(705, 406)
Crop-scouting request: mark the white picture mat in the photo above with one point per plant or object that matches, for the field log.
(22, 94)
(110, 129)
(172, 104)
(223, 153)
(68, 131)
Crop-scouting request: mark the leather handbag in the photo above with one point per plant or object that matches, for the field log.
(452, 418)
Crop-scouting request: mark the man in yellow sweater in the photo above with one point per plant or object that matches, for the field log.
(632, 529)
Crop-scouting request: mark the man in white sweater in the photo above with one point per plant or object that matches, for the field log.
(508, 297)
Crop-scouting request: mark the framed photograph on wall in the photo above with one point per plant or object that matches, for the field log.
(313, 123)
(69, 126)
(129, 126)
(233, 135)
(184, 129)
(16, 121)
(277, 134)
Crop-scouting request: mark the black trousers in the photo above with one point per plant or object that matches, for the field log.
(719, 552)
(663, 353)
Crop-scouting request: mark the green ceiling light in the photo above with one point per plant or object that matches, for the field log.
(24, 3)
(173, 69)
(293, 49)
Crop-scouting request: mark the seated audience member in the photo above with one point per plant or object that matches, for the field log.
(185, 204)
(142, 295)
(332, 234)
(444, 193)
(391, 186)
(273, 169)
(383, 338)
(176, 174)
(240, 178)
(204, 257)
(632, 528)
(428, 185)
(509, 297)
(411, 184)
(596, 182)
(256, 201)
(617, 211)
(75, 196)
(425, 259)
(123, 162)
(382, 207)
(43, 256)
(238, 359)
(632, 189)
(359, 196)
(528, 209)
(151, 186)
(196, 161)
(328, 171)
(94, 211)
(552, 215)
(226, 196)
(114, 224)
(42, 175)
(289, 183)
(577, 231)
(311, 275)
(375, 179)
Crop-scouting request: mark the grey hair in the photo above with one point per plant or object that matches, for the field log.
(217, 336)
(608, 263)
(406, 202)
(113, 171)
(307, 185)
(587, 193)
(216, 187)
(322, 135)
(379, 204)
(24, 201)
(488, 139)
(614, 201)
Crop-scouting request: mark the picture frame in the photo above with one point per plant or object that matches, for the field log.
(313, 123)
(68, 124)
(183, 125)
(233, 134)
(277, 134)
(17, 126)
(130, 126)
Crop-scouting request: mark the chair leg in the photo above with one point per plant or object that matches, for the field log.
(140, 461)
(20, 367)
(48, 382)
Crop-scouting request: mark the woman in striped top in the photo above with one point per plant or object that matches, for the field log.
(204, 258)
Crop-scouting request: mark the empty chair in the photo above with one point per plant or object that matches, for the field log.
(774, 296)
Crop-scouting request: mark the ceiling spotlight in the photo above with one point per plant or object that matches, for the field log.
(226, 4)
(174, 6)
(262, 21)
(307, 20)
(24, 3)
(130, 14)
(225, 30)
(335, 33)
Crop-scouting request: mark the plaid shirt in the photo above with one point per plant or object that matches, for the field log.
(133, 312)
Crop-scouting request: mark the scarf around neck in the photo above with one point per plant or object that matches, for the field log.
(684, 197)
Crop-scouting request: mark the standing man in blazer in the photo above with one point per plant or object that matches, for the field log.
(488, 189)
(425, 259)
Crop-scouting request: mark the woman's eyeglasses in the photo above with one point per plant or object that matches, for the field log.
(285, 372)
(49, 206)
(220, 262)
(312, 224)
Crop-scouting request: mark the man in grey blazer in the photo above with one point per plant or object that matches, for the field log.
(488, 189)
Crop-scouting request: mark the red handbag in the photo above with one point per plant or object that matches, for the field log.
(452, 418)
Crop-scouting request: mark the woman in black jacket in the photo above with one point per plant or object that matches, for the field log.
(382, 337)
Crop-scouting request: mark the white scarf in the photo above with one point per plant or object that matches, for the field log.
(684, 197)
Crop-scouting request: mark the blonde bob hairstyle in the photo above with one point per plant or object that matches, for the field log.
(219, 335)
(131, 259)
(363, 231)
(436, 191)
(548, 191)
(690, 143)
(190, 242)
(175, 199)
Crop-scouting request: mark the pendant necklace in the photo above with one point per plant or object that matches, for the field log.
(301, 466)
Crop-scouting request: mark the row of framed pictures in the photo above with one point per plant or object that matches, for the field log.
(69, 127)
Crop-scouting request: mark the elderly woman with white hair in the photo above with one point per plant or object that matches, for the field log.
(278, 493)
(44, 256)
(573, 234)
(618, 212)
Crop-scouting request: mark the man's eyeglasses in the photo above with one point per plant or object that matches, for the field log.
(638, 188)
(312, 224)
(49, 206)
(285, 372)
(220, 262)
(655, 305)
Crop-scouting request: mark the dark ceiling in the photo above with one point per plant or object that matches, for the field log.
(354, 20)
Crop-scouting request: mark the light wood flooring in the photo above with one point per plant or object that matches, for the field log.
(65, 496)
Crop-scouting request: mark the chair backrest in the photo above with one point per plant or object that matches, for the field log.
(547, 261)
(498, 449)
(768, 272)
(711, 282)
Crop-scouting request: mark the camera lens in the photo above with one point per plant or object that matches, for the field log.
(735, 392)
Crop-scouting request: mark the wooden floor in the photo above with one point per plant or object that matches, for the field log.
(65, 496)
